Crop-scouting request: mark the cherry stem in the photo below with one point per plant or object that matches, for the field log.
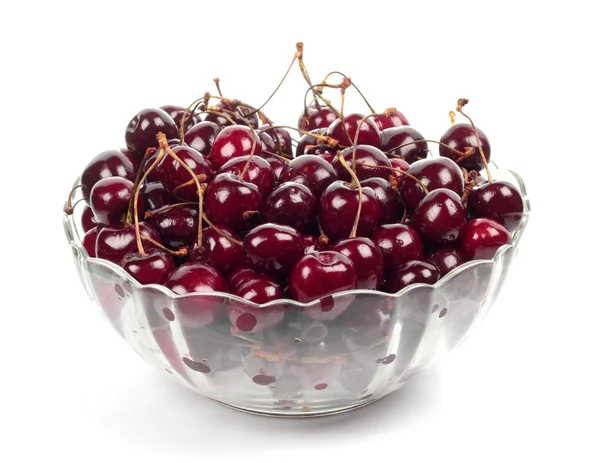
(247, 165)
(217, 82)
(322, 236)
(404, 215)
(321, 97)
(304, 71)
(200, 214)
(459, 107)
(138, 178)
(221, 232)
(180, 252)
(355, 141)
(70, 206)
(469, 150)
(397, 170)
(201, 178)
(153, 212)
(330, 141)
(236, 103)
(355, 182)
(351, 83)
(189, 112)
(469, 185)
(281, 158)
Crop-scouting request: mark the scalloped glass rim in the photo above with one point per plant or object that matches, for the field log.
(72, 234)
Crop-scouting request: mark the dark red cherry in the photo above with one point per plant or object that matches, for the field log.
(401, 164)
(461, 136)
(267, 143)
(232, 202)
(144, 127)
(277, 165)
(312, 244)
(498, 200)
(316, 118)
(394, 119)
(309, 140)
(259, 289)
(410, 273)
(318, 173)
(367, 260)
(233, 142)
(325, 152)
(440, 216)
(481, 238)
(152, 268)
(434, 173)
(88, 221)
(132, 157)
(109, 199)
(390, 204)
(399, 243)
(446, 259)
(201, 136)
(113, 242)
(89, 241)
(239, 275)
(338, 208)
(217, 250)
(290, 204)
(111, 163)
(368, 131)
(281, 139)
(364, 154)
(177, 226)
(393, 139)
(321, 274)
(177, 112)
(155, 196)
(259, 172)
(173, 174)
(239, 113)
(273, 248)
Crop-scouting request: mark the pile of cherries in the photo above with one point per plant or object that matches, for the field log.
(216, 197)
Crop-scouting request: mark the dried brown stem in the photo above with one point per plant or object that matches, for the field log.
(397, 170)
(153, 212)
(70, 206)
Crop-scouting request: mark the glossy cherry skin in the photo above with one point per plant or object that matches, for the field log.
(434, 173)
(267, 143)
(445, 258)
(321, 274)
(312, 244)
(237, 113)
(459, 137)
(111, 163)
(290, 204)
(144, 127)
(259, 289)
(498, 200)
(316, 118)
(392, 139)
(481, 238)
(113, 243)
(231, 202)
(201, 136)
(177, 112)
(259, 172)
(233, 142)
(368, 131)
(109, 199)
(390, 204)
(395, 119)
(440, 216)
(273, 248)
(277, 165)
(364, 154)
(319, 174)
(173, 174)
(155, 196)
(367, 259)
(239, 275)
(218, 251)
(395, 176)
(133, 158)
(89, 241)
(309, 140)
(88, 221)
(152, 268)
(338, 208)
(281, 139)
(177, 226)
(410, 273)
(398, 243)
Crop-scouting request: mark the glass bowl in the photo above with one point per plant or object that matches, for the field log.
(329, 356)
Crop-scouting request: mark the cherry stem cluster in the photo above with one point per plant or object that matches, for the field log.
(459, 107)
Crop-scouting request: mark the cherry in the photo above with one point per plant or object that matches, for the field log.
(272, 248)
(393, 139)
(309, 140)
(312, 244)
(410, 273)
(290, 204)
(310, 170)
(88, 221)
(111, 163)
(218, 250)
(173, 174)
(151, 268)
(316, 118)
(391, 119)
(367, 259)
(445, 258)
(144, 127)
(398, 163)
(232, 142)
(434, 173)
(277, 165)
(239, 275)
(177, 226)
(236, 112)
(113, 242)
(132, 157)
(498, 200)
(109, 199)
(368, 131)
(461, 136)
(155, 196)
(177, 112)
(364, 154)
(338, 208)
(390, 204)
(231, 202)
(440, 215)
(89, 241)
(201, 136)
(258, 172)
(281, 138)
(399, 243)
(259, 289)
(325, 152)
(267, 143)
(481, 238)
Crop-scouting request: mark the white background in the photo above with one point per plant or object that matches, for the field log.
(524, 387)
